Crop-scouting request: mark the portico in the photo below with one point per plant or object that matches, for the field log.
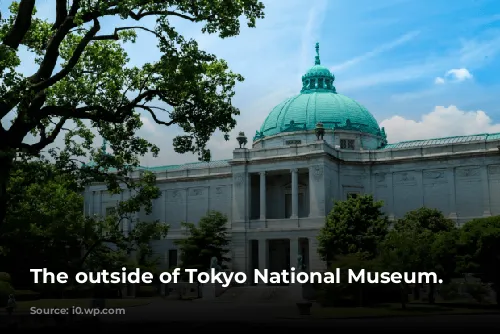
(290, 194)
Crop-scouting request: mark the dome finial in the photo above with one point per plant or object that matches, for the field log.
(317, 61)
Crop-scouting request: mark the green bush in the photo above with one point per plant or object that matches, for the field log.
(449, 291)
(5, 277)
(5, 290)
(477, 291)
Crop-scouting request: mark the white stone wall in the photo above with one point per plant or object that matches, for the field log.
(461, 180)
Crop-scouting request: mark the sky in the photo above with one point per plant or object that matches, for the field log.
(424, 69)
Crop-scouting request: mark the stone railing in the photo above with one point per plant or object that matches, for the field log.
(240, 155)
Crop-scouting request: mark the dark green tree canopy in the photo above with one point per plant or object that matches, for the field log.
(356, 225)
(424, 218)
(45, 227)
(209, 238)
(480, 250)
(84, 78)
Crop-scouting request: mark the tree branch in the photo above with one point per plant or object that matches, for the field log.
(141, 14)
(44, 139)
(93, 113)
(72, 61)
(21, 25)
(153, 115)
(61, 13)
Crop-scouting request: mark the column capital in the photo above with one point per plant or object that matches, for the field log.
(294, 170)
(262, 173)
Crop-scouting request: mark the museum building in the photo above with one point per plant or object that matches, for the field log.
(312, 149)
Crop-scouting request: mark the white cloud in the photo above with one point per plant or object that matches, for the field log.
(459, 74)
(456, 75)
(439, 81)
(472, 54)
(441, 122)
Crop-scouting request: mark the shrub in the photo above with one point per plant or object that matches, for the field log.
(477, 291)
(449, 291)
(5, 277)
(5, 290)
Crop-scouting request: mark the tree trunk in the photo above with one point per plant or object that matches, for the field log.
(6, 162)
(432, 293)
(416, 292)
(404, 296)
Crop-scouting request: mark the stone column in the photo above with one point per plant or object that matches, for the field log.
(263, 256)
(91, 204)
(295, 193)
(316, 192)
(294, 252)
(453, 204)
(101, 211)
(390, 186)
(262, 195)
(486, 191)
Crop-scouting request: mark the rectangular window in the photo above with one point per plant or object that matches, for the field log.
(347, 144)
(172, 258)
(352, 195)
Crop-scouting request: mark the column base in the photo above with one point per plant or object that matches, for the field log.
(294, 217)
(208, 291)
(263, 218)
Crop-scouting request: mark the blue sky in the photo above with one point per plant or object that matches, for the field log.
(425, 69)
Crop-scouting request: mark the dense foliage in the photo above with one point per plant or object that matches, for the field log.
(356, 225)
(424, 240)
(45, 226)
(84, 79)
(209, 238)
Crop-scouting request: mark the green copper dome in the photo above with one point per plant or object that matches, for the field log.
(318, 101)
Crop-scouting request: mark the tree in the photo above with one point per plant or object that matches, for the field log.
(356, 225)
(208, 239)
(440, 235)
(84, 79)
(45, 227)
(479, 250)
(405, 250)
(426, 219)
(344, 292)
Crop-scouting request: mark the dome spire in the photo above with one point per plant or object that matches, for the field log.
(317, 61)
(318, 78)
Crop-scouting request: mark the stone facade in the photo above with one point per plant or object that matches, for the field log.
(277, 198)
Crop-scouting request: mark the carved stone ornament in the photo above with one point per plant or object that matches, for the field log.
(406, 177)
(196, 192)
(238, 179)
(437, 174)
(174, 194)
(317, 172)
(468, 172)
(494, 170)
(218, 190)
